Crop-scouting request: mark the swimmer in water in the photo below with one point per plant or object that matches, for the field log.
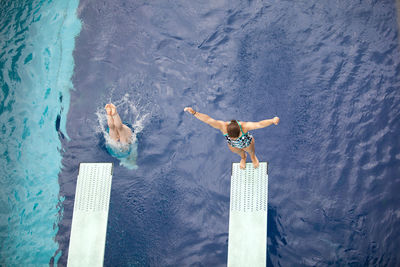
(118, 131)
(237, 134)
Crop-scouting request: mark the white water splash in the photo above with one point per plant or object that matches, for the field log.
(131, 113)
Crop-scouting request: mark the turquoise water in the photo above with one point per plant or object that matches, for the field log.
(37, 40)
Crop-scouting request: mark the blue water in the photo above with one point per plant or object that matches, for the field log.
(36, 63)
(330, 71)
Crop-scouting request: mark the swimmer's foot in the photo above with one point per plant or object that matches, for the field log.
(110, 109)
(255, 161)
(243, 162)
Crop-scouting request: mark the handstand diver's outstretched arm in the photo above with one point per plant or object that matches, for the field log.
(217, 124)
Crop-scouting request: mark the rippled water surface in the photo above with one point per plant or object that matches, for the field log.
(329, 69)
(36, 65)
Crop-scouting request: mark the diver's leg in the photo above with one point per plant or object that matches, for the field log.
(124, 132)
(111, 125)
(241, 153)
(251, 150)
(115, 116)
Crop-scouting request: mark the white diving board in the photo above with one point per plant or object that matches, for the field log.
(90, 215)
(247, 243)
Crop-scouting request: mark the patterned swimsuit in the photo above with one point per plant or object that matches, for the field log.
(243, 141)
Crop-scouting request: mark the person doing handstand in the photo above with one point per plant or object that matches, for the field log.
(117, 130)
(237, 134)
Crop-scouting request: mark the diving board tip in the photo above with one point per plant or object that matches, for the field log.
(247, 243)
(90, 215)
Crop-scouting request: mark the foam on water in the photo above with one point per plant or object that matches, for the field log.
(36, 64)
(131, 114)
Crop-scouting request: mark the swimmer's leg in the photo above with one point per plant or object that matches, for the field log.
(241, 153)
(124, 132)
(111, 125)
(251, 150)
(125, 135)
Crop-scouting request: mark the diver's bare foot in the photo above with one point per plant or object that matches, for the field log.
(113, 109)
(110, 109)
(243, 162)
(255, 161)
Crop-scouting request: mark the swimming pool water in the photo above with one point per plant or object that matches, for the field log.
(37, 39)
(330, 71)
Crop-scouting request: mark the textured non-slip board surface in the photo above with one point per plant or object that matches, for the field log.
(247, 245)
(89, 219)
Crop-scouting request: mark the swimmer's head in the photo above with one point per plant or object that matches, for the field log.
(233, 129)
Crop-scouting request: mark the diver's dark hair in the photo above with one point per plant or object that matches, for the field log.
(233, 129)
